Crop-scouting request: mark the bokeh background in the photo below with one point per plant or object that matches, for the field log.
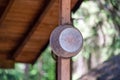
(99, 23)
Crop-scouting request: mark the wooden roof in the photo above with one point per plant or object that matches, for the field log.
(25, 27)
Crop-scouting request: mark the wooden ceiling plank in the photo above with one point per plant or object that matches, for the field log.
(37, 21)
(6, 10)
(4, 62)
(48, 28)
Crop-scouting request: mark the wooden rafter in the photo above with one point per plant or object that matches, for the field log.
(34, 26)
(6, 10)
(76, 4)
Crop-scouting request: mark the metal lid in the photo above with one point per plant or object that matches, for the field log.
(66, 41)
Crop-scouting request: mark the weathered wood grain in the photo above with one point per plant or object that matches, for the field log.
(63, 65)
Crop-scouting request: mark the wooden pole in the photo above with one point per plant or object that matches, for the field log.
(63, 69)
(63, 65)
(64, 12)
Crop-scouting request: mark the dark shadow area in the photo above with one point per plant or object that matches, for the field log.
(76, 7)
(109, 70)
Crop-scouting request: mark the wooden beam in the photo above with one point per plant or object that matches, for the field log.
(4, 62)
(34, 25)
(65, 11)
(63, 65)
(63, 69)
(7, 64)
(6, 10)
(73, 3)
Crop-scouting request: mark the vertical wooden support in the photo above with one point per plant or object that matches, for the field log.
(64, 11)
(63, 69)
(63, 65)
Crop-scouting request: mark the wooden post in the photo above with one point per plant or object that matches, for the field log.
(63, 69)
(63, 65)
(65, 41)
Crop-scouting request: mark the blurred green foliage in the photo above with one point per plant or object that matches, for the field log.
(43, 69)
(48, 65)
(99, 22)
